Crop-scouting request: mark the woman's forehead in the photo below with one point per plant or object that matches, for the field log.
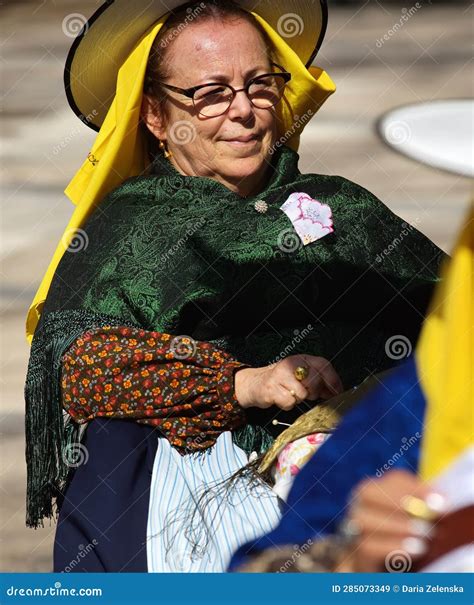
(219, 49)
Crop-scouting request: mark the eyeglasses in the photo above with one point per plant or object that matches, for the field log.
(214, 99)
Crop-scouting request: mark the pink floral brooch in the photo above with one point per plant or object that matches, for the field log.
(311, 219)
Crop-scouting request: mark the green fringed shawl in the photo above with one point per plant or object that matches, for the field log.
(187, 256)
(52, 437)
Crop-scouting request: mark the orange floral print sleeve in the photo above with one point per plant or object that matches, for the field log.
(182, 386)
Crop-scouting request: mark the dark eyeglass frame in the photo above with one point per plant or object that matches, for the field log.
(190, 92)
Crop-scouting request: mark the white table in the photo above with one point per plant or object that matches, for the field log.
(437, 133)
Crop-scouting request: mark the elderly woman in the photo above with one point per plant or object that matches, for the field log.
(199, 252)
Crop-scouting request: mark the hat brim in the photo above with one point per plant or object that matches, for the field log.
(108, 37)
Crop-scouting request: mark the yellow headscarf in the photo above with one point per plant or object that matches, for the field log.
(445, 360)
(120, 152)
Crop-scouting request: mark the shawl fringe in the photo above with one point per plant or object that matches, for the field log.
(52, 437)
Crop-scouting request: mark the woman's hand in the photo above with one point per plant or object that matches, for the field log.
(387, 537)
(272, 385)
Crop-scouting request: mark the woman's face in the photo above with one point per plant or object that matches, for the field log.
(229, 52)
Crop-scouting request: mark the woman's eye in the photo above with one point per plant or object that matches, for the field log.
(263, 83)
(212, 92)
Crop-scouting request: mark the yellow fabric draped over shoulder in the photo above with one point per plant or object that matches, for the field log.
(445, 360)
(119, 151)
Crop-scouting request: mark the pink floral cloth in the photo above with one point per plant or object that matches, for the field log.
(311, 219)
(292, 459)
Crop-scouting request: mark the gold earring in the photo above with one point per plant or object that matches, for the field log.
(165, 149)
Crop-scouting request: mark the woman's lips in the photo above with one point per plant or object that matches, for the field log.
(242, 142)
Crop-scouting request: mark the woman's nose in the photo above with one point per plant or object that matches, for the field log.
(241, 107)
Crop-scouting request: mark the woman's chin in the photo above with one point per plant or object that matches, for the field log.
(240, 165)
(243, 170)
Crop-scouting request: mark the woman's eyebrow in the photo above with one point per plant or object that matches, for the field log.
(224, 78)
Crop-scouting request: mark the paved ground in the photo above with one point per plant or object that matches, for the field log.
(43, 143)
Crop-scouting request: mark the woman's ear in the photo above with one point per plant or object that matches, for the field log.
(152, 115)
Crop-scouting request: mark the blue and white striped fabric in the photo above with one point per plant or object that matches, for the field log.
(220, 523)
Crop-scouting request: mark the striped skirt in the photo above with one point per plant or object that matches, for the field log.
(136, 505)
(197, 519)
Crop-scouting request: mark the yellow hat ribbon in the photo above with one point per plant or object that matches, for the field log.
(307, 90)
